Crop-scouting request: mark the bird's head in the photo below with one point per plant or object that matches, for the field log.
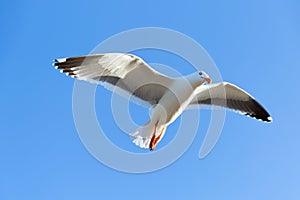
(196, 79)
(205, 77)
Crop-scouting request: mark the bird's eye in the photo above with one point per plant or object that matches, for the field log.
(200, 73)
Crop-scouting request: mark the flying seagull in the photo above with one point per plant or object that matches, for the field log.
(168, 97)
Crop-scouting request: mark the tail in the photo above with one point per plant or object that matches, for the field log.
(148, 135)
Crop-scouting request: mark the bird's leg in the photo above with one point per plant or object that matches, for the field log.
(152, 146)
(154, 140)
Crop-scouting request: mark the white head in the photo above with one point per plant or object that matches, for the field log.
(198, 78)
(205, 77)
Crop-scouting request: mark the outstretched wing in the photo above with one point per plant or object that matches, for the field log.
(230, 96)
(125, 71)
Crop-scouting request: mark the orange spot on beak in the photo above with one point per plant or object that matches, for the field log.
(208, 80)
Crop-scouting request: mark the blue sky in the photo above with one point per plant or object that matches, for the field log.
(255, 44)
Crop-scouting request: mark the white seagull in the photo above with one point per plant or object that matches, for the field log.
(168, 97)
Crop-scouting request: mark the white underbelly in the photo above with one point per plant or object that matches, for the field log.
(170, 107)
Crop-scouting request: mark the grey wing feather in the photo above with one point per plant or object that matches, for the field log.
(230, 96)
(125, 71)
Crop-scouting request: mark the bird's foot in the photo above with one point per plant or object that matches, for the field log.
(154, 140)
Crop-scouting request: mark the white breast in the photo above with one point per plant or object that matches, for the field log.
(173, 103)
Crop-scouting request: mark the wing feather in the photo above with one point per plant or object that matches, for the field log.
(125, 71)
(230, 96)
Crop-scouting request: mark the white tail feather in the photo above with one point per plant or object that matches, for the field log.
(144, 134)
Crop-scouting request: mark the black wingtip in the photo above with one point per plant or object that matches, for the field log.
(265, 117)
(269, 119)
(259, 112)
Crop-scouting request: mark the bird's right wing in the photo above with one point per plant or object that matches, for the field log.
(230, 96)
(125, 71)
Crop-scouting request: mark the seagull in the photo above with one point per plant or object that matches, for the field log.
(167, 97)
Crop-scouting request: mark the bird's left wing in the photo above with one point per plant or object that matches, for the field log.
(230, 96)
(125, 71)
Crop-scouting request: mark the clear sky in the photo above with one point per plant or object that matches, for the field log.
(255, 44)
